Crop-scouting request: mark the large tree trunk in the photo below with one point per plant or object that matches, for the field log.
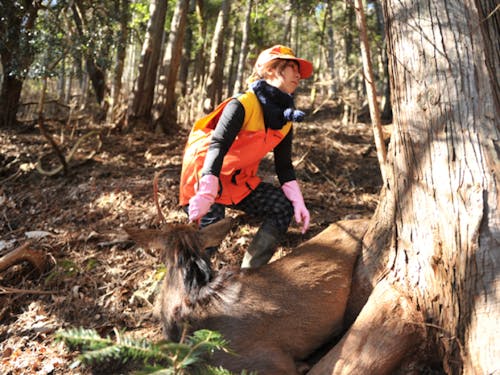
(10, 95)
(144, 89)
(16, 52)
(429, 271)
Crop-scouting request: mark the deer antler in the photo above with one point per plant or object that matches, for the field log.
(23, 253)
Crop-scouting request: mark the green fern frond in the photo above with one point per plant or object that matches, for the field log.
(83, 338)
(161, 358)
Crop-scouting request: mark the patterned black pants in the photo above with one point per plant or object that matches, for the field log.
(266, 202)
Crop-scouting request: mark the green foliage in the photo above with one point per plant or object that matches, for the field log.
(64, 269)
(188, 357)
(17, 37)
(139, 11)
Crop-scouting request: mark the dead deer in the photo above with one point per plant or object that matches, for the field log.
(272, 316)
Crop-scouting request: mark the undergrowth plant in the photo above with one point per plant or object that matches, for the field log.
(185, 358)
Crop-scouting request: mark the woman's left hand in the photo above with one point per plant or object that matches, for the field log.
(294, 195)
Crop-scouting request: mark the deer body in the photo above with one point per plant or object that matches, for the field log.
(272, 316)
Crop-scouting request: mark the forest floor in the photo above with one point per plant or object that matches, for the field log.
(96, 278)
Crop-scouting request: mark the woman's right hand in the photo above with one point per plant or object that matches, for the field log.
(201, 202)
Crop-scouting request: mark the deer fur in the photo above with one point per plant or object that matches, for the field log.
(272, 316)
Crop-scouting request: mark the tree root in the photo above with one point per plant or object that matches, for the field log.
(37, 258)
(384, 333)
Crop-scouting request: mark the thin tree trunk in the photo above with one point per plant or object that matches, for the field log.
(386, 108)
(61, 82)
(238, 84)
(213, 91)
(349, 93)
(229, 57)
(370, 88)
(144, 90)
(294, 27)
(167, 98)
(186, 55)
(330, 51)
(199, 77)
(95, 71)
(121, 53)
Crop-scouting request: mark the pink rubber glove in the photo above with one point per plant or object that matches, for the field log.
(200, 203)
(292, 192)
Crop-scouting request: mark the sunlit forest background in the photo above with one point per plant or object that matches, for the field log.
(160, 64)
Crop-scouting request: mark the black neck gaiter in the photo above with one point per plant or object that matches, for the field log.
(274, 102)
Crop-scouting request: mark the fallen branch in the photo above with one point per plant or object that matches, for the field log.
(7, 290)
(23, 253)
(49, 101)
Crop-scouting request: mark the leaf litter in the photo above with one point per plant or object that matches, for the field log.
(96, 278)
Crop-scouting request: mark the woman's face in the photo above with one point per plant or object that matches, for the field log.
(286, 77)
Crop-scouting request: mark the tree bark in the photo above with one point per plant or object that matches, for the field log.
(150, 58)
(186, 54)
(430, 261)
(349, 93)
(245, 32)
(330, 52)
(229, 59)
(16, 53)
(371, 91)
(95, 71)
(167, 98)
(213, 91)
(121, 53)
(386, 108)
(9, 100)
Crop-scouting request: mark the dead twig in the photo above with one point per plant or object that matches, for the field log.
(7, 290)
(43, 130)
(302, 159)
(316, 170)
(11, 177)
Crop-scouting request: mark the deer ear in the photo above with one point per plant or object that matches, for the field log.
(149, 238)
(213, 234)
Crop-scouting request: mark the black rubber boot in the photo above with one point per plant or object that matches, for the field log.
(262, 248)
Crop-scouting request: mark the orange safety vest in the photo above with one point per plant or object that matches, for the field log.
(238, 176)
